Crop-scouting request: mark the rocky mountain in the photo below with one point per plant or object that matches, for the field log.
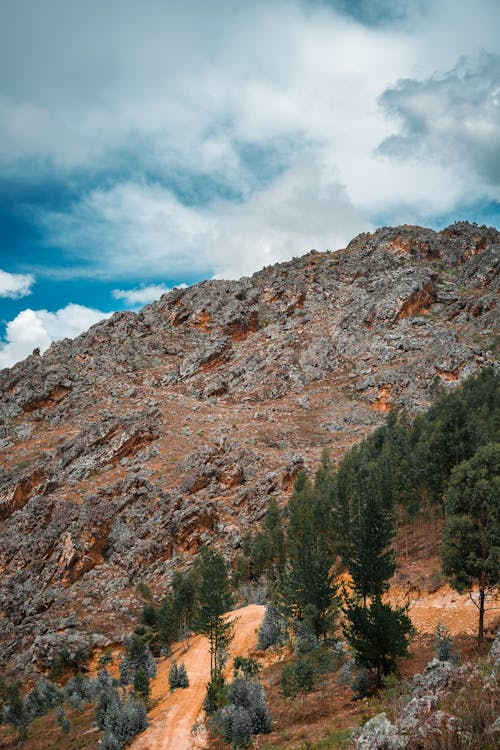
(124, 450)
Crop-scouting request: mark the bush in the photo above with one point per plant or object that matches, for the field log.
(78, 691)
(443, 644)
(272, 632)
(247, 666)
(246, 713)
(44, 696)
(105, 659)
(215, 696)
(363, 683)
(14, 711)
(177, 676)
(125, 719)
(62, 720)
(137, 656)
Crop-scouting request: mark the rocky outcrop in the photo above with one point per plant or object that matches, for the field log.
(423, 723)
(126, 449)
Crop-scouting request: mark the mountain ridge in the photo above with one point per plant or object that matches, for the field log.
(125, 449)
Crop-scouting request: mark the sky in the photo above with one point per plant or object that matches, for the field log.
(146, 144)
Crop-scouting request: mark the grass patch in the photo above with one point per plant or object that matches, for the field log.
(341, 738)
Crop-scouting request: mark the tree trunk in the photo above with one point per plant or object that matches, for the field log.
(480, 630)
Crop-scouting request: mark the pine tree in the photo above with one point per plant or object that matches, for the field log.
(184, 600)
(377, 634)
(137, 655)
(214, 601)
(182, 677)
(369, 559)
(309, 590)
(470, 550)
(167, 623)
(141, 685)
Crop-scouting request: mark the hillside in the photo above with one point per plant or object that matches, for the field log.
(127, 448)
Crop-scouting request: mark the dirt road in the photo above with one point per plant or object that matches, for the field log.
(175, 713)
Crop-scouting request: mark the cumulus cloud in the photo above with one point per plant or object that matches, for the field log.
(143, 295)
(453, 117)
(148, 225)
(15, 285)
(32, 329)
(197, 134)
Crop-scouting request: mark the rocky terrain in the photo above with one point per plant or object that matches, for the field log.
(429, 717)
(124, 450)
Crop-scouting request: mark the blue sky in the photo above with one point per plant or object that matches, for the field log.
(146, 144)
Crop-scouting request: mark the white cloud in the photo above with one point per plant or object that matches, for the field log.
(143, 295)
(299, 211)
(174, 96)
(32, 329)
(15, 285)
(451, 116)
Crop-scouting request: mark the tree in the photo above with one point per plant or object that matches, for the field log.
(167, 623)
(141, 685)
(377, 634)
(369, 559)
(184, 599)
(137, 655)
(273, 629)
(15, 711)
(309, 590)
(214, 601)
(177, 676)
(182, 677)
(470, 550)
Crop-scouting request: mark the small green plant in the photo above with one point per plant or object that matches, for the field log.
(177, 676)
(444, 645)
(144, 590)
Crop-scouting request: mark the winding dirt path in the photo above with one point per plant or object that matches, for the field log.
(175, 713)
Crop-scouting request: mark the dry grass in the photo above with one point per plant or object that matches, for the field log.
(45, 734)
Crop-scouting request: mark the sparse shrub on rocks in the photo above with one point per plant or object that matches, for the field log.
(443, 644)
(65, 659)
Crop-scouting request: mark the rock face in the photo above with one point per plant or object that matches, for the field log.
(127, 448)
(423, 724)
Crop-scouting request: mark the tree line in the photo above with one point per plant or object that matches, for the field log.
(343, 521)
